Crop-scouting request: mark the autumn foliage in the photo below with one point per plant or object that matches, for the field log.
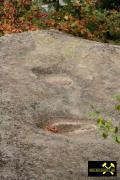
(81, 18)
(15, 16)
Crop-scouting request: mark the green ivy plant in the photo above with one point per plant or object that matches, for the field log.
(106, 127)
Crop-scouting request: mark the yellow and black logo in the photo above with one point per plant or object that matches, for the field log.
(102, 168)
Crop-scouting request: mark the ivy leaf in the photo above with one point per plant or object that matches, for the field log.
(100, 121)
(116, 129)
(105, 135)
(116, 138)
(117, 107)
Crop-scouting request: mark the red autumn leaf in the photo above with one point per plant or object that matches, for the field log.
(52, 129)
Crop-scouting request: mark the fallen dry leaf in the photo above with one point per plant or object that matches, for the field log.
(52, 129)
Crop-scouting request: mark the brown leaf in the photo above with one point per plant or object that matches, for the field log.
(52, 129)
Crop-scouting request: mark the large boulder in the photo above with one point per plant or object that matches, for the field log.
(49, 77)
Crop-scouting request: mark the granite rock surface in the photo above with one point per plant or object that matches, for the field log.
(49, 77)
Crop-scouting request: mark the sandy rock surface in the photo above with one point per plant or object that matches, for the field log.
(48, 77)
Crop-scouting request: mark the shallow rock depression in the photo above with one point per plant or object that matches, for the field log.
(68, 127)
(48, 82)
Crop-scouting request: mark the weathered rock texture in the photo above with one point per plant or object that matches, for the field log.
(50, 77)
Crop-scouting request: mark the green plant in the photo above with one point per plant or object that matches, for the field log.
(78, 17)
(117, 106)
(113, 24)
(106, 127)
(108, 4)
